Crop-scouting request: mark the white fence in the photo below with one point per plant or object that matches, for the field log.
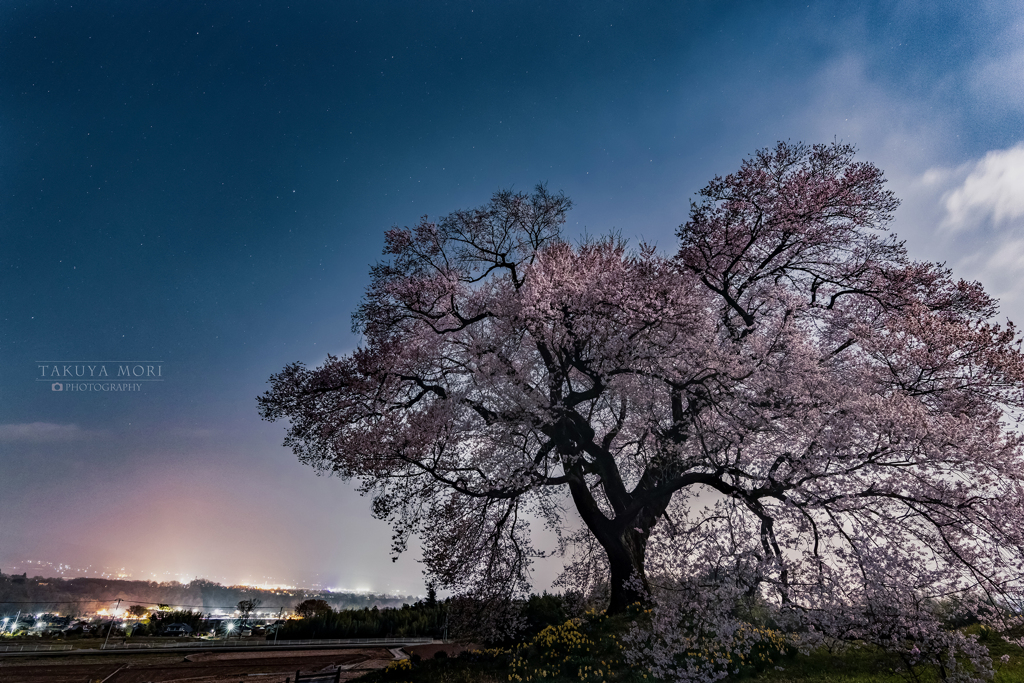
(34, 648)
(223, 643)
(269, 643)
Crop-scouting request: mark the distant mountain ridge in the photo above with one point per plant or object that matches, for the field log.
(83, 595)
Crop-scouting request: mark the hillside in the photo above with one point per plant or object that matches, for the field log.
(80, 596)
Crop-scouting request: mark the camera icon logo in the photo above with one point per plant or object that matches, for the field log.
(56, 386)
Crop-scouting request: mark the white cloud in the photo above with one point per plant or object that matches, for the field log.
(896, 132)
(47, 432)
(972, 217)
(992, 191)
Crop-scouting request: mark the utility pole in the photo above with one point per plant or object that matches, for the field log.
(111, 624)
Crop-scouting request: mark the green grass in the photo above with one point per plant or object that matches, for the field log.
(590, 652)
(870, 665)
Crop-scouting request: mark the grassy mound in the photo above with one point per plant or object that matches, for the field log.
(576, 650)
(589, 650)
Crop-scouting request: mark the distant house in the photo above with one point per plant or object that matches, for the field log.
(178, 630)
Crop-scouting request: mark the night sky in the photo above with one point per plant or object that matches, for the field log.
(206, 185)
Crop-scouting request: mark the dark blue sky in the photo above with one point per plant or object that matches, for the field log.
(207, 185)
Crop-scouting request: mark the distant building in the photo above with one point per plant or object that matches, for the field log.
(178, 630)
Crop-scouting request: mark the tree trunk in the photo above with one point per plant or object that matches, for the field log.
(626, 564)
(625, 548)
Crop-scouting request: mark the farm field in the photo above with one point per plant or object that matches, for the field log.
(205, 667)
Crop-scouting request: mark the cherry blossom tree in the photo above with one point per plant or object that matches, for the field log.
(859, 420)
(788, 407)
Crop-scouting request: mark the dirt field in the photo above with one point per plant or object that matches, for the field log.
(205, 667)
